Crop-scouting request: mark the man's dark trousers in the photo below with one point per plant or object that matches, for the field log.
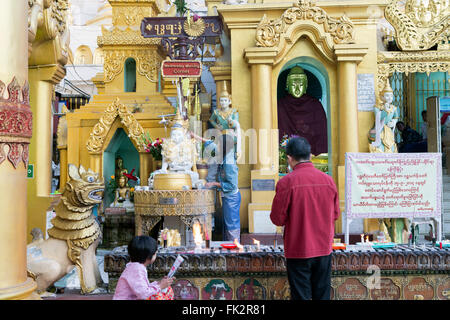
(310, 278)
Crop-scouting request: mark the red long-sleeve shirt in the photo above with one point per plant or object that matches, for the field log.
(306, 203)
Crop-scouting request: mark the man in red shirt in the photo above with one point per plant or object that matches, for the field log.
(306, 203)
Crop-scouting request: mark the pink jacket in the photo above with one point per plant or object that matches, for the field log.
(133, 283)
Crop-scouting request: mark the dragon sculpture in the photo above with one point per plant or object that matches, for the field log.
(74, 237)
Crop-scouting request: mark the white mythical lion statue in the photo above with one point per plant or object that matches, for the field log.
(73, 238)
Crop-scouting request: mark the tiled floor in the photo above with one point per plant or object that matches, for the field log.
(74, 294)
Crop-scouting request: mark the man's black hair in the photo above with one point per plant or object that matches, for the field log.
(424, 112)
(142, 248)
(298, 148)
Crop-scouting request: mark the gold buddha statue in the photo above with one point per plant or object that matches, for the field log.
(119, 170)
(122, 195)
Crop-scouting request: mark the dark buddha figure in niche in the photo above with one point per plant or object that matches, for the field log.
(301, 114)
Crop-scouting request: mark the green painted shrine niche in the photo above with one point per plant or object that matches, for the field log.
(122, 146)
(130, 75)
(318, 87)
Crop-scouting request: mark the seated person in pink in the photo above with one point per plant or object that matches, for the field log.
(133, 283)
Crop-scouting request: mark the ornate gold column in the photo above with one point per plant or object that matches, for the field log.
(348, 57)
(48, 33)
(222, 76)
(145, 160)
(96, 163)
(261, 61)
(15, 134)
(264, 175)
(62, 167)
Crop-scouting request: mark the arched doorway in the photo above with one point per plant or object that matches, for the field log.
(318, 87)
(130, 75)
(119, 146)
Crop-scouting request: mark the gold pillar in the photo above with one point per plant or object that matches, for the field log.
(41, 94)
(42, 79)
(14, 143)
(222, 77)
(95, 163)
(348, 57)
(261, 61)
(62, 167)
(145, 160)
(348, 109)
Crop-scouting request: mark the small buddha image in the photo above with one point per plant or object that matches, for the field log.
(119, 170)
(122, 195)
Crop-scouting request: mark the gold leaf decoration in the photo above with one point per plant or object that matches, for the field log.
(101, 129)
(269, 32)
(419, 26)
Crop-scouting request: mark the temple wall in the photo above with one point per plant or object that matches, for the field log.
(242, 21)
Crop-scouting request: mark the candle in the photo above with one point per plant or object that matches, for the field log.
(240, 247)
(367, 239)
(258, 247)
(362, 238)
(206, 232)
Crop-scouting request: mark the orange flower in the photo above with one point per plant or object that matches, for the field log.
(112, 177)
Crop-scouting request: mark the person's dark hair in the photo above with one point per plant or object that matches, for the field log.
(424, 112)
(298, 148)
(400, 124)
(142, 248)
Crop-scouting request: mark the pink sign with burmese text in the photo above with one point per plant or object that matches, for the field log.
(383, 185)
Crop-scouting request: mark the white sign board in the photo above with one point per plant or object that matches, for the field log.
(393, 185)
(366, 91)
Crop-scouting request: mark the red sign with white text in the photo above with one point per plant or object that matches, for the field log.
(181, 68)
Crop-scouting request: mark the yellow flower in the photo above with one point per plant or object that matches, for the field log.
(112, 177)
(131, 189)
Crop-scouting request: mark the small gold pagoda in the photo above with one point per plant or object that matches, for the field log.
(129, 100)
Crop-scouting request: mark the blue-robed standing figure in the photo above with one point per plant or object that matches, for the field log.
(227, 182)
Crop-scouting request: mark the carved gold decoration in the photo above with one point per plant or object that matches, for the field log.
(50, 17)
(147, 63)
(269, 32)
(185, 202)
(409, 62)
(194, 29)
(35, 20)
(130, 16)
(419, 25)
(127, 36)
(144, 224)
(101, 129)
(61, 133)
